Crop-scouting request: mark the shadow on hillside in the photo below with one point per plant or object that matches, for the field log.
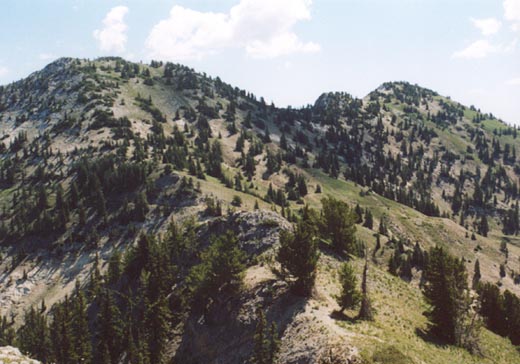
(340, 316)
(427, 336)
(226, 333)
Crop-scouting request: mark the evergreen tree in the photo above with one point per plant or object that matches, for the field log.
(61, 333)
(378, 244)
(33, 336)
(157, 317)
(338, 224)
(261, 342)
(141, 207)
(221, 267)
(359, 212)
(483, 226)
(266, 342)
(274, 343)
(476, 275)
(43, 200)
(95, 278)
(114, 267)
(446, 291)
(80, 327)
(109, 334)
(369, 220)
(349, 296)
(298, 254)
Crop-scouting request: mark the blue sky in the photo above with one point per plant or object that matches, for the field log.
(289, 51)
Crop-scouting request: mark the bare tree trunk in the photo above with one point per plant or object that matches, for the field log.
(365, 313)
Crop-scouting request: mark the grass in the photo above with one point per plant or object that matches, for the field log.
(395, 335)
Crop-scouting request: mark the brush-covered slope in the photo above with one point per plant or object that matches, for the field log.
(94, 152)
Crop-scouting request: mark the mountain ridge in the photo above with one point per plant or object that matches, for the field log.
(94, 152)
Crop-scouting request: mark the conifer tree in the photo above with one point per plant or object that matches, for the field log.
(369, 220)
(80, 328)
(359, 212)
(476, 275)
(265, 341)
(338, 223)
(95, 278)
(114, 267)
(33, 336)
(446, 290)
(298, 255)
(61, 333)
(222, 266)
(274, 343)
(483, 226)
(157, 317)
(349, 296)
(109, 335)
(260, 350)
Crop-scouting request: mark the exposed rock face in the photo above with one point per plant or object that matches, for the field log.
(225, 334)
(10, 355)
(257, 230)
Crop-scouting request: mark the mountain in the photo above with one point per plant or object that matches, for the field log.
(118, 178)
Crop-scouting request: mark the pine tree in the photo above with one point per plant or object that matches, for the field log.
(406, 269)
(349, 296)
(80, 327)
(61, 333)
(338, 223)
(260, 350)
(483, 226)
(101, 204)
(33, 336)
(446, 291)
(359, 212)
(95, 278)
(298, 255)
(141, 207)
(369, 220)
(82, 214)
(157, 318)
(43, 200)
(476, 275)
(109, 335)
(274, 343)
(378, 244)
(114, 267)
(265, 341)
(222, 266)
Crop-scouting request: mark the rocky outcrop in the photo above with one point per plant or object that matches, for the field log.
(256, 230)
(10, 355)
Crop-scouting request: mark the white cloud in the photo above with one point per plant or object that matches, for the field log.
(479, 49)
(513, 82)
(512, 10)
(488, 26)
(512, 13)
(264, 29)
(46, 56)
(112, 38)
(483, 48)
(3, 71)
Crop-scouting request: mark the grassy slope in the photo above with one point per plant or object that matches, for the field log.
(399, 320)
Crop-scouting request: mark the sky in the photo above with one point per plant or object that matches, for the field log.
(288, 51)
